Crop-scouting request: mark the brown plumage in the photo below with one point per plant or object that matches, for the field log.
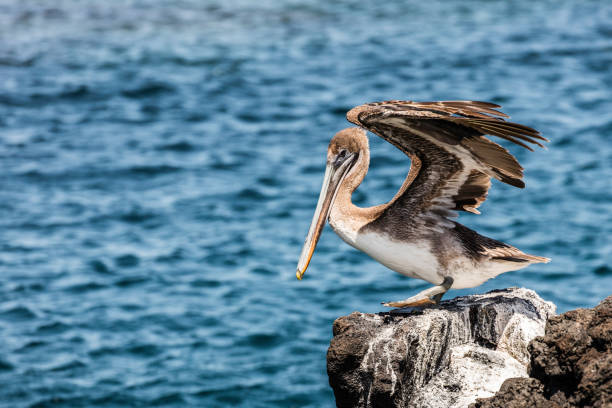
(452, 124)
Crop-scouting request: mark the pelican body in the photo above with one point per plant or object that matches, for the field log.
(452, 163)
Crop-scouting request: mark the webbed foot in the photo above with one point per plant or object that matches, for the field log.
(428, 297)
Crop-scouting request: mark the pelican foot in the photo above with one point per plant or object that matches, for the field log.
(428, 297)
(407, 303)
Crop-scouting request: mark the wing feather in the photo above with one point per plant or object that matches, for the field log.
(467, 108)
(448, 138)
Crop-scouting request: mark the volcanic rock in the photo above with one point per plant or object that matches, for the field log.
(571, 365)
(444, 356)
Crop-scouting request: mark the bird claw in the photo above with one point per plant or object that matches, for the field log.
(410, 303)
(426, 297)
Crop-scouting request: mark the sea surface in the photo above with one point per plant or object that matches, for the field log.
(161, 161)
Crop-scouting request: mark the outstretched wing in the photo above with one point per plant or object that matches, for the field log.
(450, 155)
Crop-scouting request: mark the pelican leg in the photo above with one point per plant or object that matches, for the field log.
(430, 296)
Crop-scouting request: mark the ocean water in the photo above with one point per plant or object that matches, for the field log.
(161, 160)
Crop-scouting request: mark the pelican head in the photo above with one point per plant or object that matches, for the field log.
(344, 151)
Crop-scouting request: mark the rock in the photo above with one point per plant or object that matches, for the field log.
(518, 393)
(445, 356)
(571, 365)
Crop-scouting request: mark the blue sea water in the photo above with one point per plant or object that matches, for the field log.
(161, 160)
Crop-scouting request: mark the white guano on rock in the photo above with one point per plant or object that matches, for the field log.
(444, 356)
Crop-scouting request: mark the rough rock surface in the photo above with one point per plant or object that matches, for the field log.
(571, 366)
(443, 356)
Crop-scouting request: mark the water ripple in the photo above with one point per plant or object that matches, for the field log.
(160, 166)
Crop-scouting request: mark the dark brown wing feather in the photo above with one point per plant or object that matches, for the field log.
(448, 137)
(472, 192)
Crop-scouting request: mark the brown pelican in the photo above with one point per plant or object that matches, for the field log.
(452, 163)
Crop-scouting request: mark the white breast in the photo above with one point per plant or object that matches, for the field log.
(411, 259)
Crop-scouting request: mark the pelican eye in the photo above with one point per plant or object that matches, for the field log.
(340, 157)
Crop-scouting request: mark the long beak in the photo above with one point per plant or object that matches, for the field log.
(331, 182)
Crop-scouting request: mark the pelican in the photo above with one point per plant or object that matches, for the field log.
(451, 165)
